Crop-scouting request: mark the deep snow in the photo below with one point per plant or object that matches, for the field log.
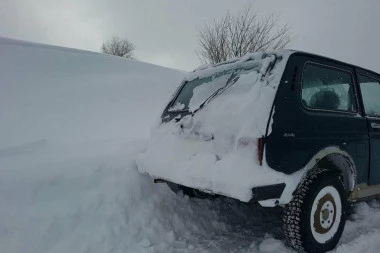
(68, 95)
(72, 125)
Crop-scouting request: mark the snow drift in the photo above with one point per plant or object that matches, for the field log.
(67, 95)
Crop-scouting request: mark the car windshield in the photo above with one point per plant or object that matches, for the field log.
(194, 93)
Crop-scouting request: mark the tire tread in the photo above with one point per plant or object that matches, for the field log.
(293, 210)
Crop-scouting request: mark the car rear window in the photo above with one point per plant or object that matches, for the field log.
(205, 87)
(197, 91)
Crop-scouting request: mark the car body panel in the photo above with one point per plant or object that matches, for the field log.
(373, 124)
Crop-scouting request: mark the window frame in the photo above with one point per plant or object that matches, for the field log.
(361, 94)
(353, 80)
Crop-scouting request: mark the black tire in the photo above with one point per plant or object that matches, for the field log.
(311, 220)
(190, 192)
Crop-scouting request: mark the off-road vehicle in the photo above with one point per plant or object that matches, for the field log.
(283, 128)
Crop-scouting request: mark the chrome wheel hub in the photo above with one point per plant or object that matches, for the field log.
(327, 215)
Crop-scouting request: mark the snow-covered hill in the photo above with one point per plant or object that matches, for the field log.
(72, 123)
(69, 95)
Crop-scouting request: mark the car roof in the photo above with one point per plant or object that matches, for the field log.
(303, 53)
(251, 56)
(208, 69)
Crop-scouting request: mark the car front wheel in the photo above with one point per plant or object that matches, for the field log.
(314, 219)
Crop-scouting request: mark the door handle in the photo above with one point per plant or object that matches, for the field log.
(375, 126)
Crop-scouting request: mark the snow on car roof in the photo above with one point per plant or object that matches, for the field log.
(209, 69)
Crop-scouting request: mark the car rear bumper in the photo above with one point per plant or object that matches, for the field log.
(267, 192)
(261, 194)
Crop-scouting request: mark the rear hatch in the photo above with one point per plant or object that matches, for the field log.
(212, 128)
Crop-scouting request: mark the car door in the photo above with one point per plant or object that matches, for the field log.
(309, 117)
(369, 84)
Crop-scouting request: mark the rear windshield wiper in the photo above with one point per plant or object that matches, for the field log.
(234, 77)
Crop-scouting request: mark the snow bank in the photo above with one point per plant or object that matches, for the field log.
(91, 198)
(66, 95)
(214, 150)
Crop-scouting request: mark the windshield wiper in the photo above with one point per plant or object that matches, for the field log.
(229, 82)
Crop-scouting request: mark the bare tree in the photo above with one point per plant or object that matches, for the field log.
(119, 47)
(234, 36)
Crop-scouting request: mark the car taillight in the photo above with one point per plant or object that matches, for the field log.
(260, 149)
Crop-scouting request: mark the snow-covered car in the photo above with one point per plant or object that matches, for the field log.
(283, 128)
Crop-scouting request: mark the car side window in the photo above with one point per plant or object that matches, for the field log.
(370, 89)
(327, 88)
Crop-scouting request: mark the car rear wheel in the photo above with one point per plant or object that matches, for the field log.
(314, 219)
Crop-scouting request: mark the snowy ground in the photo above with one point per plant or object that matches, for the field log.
(85, 195)
(90, 198)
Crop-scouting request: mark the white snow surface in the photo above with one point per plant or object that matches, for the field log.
(237, 115)
(75, 187)
(68, 95)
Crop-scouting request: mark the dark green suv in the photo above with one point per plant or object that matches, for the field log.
(280, 128)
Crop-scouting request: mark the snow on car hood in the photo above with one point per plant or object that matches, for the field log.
(204, 150)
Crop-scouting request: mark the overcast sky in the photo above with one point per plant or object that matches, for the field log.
(165, 31)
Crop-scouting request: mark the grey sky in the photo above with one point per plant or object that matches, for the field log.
(165, 31)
